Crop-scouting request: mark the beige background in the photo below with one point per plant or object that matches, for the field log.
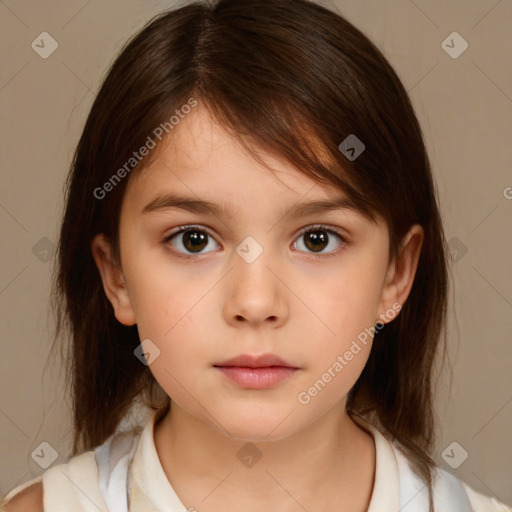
(464, 105)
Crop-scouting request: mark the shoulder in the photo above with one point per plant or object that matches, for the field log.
(60, 488)
(482, 503)
(30, 499)
(63, 487)
(448, 485)
(449, 492)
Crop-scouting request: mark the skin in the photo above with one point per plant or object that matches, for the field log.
(302, 306)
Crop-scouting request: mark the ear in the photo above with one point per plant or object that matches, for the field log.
(113, 280)
(401, 273)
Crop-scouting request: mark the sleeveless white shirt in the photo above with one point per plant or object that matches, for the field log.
(125, 474)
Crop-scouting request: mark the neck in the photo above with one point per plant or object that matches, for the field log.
(330, 460)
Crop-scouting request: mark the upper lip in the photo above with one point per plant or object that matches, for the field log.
(250, 361)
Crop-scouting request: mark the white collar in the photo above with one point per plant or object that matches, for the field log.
(151, 488)
(130, 461)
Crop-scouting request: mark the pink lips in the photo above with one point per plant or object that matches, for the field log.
(256, 372)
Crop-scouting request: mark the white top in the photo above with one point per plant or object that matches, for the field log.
(125, 474)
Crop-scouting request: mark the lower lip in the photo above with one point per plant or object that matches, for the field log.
(256, 378)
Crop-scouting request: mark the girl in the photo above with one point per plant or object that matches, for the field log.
(253, 269)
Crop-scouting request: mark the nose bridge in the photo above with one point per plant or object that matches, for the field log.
(255, 294)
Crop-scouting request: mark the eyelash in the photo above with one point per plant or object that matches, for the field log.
(314, 227)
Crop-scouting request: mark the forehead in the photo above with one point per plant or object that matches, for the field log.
(199, 149)
(202, 161)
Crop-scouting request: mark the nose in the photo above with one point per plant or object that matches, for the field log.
(255, 295)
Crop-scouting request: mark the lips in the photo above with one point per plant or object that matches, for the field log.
(263, 361)
(256, 372)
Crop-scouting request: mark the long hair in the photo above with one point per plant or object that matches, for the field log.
(297, 79)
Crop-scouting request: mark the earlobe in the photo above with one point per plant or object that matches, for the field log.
(113, 280)
(401, 273)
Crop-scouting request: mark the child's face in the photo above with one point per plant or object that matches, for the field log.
(220, 302)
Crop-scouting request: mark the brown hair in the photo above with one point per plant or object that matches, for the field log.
(297, 79)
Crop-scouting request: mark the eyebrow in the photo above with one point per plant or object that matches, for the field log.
(176, 201)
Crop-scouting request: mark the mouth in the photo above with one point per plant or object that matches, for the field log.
(256, 372)
(249, 361)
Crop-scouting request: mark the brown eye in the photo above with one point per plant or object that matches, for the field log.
(317, 239)
(195, 241)
(191, 240)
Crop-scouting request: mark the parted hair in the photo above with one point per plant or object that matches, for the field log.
(295, 78)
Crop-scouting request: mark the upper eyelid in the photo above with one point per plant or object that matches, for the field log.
(187, 227)
(326, 227)
(309, 227)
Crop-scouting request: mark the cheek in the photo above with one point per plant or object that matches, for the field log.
(178, 320)
(173, 327)
(337, 359)
(349, 305)
(170, 319)
(165, 295)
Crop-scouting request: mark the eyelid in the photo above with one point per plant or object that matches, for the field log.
(328, 229)
(309, 227)
(306, 229)
(182, 229)
(324, 227)
(187, 227)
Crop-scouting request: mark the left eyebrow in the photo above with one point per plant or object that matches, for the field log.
(170, 201)
(323, 206)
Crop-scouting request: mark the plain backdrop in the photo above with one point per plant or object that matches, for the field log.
(464, 103)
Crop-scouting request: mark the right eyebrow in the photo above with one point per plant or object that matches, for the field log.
(168, 201)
